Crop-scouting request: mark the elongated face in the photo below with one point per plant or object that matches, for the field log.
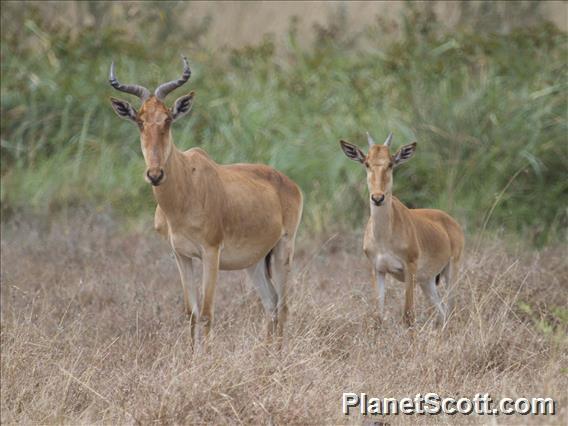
(154, 121)
(379, 165)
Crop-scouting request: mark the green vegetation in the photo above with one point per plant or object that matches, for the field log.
(550, 321)
(488, 111)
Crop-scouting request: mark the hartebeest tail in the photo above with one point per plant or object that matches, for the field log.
(238, 216)
(413, 245)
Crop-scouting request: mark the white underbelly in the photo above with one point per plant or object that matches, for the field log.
(388, 263)
(185, 246)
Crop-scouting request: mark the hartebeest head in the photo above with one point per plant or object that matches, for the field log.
(379, 164)
(154, 119)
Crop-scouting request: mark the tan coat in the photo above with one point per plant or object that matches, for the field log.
(238, 216)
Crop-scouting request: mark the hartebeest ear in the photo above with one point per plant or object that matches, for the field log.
(404, 154)
(123, 109)
(352, 151)
(182, 106)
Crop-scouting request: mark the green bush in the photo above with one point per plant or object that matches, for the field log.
(488, 111)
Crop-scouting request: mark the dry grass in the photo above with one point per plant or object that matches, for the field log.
(92, 332)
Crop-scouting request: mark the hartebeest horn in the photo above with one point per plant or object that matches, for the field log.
(388, 140)
(370, 140)
(133, 89)
(163, 90)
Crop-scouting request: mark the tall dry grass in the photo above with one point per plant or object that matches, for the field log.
(92, 332)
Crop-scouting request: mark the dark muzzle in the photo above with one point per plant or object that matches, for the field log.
(378, 199)
(155, 179)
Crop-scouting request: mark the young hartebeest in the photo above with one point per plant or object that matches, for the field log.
(410, 244)
(238, 216)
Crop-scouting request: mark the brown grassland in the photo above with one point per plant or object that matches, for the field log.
(93, 333)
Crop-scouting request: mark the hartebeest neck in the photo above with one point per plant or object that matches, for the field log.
(173, 195)
(382, 218)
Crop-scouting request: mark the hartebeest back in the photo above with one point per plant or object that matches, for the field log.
(410, 244)
(239, 216)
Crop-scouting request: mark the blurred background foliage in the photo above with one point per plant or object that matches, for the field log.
(486, 100)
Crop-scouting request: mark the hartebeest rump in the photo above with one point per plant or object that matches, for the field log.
(410, 244)
(238, 216)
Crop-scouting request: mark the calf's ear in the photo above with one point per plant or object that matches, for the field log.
(404, 154)
(352, 151)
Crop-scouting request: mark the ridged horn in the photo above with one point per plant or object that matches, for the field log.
(388, 140)
(163, 89)
(133, 89)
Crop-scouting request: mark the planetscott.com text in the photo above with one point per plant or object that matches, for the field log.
(432, 403)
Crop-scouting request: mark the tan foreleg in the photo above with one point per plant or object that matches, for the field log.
(379, 282)
(210, 273)
(160, 223)
(190, 296)
(409, 298)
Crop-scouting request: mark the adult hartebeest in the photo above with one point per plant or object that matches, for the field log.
(238, 216)
(410, 244)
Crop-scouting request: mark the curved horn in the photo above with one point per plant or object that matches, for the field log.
(370, 140)
(388, 140)
(133, 89)
(163, 90)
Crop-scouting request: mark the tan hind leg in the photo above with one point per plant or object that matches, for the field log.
(451, 277)
(258, 274)
(283, 254)
(431, 293)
